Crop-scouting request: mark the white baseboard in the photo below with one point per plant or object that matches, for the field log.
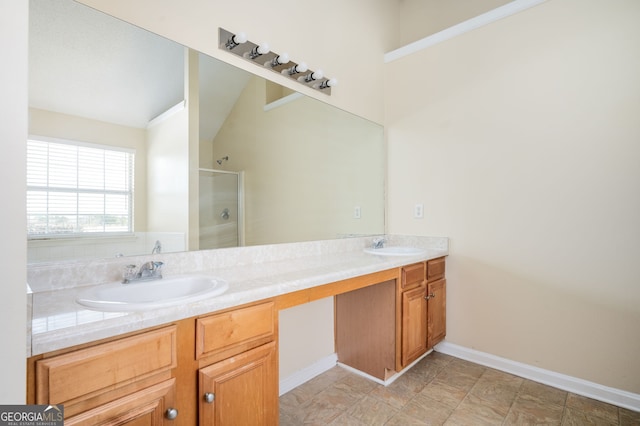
(592, 390)
(328, 362)
(307, 373)
(391, 379)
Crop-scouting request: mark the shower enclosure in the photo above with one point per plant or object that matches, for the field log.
(221, 214)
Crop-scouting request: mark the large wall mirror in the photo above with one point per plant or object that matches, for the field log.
(222, 158)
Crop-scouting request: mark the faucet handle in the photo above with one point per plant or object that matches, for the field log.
(128, 273)
(378, 242)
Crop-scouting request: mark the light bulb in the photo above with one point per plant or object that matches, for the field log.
(296, 69)
(278, 60)
(326, 84)
(263, 48)
(312, 76)
(240, 38)
(236, 40)
(257, 51)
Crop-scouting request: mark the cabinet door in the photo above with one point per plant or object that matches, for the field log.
(241, 390)
(147, 407)
(414, 324)
(437, 324)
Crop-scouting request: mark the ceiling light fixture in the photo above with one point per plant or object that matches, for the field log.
(275, 62)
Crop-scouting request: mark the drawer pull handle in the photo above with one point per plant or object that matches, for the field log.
(430, 296)
(209, 397)
(171, 413)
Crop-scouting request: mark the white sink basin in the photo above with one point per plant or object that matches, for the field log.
(396, 251)
(144, 295)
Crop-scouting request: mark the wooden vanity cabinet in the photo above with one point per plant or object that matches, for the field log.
(238, 374)
(422, 310)
(219, 369)
(382, 327)
(125, 381)
(222, 368)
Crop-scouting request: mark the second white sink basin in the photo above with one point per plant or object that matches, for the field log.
(396, 251)
(144, 295)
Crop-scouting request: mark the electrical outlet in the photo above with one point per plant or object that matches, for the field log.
(418, 211)
(356, 212)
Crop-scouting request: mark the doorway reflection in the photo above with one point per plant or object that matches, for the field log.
(221, 217)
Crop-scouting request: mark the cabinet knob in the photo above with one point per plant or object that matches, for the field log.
(171, 413)
(209, 397)
(430, 296)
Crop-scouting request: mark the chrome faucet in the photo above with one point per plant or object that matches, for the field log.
(148, 271)
(378, 243)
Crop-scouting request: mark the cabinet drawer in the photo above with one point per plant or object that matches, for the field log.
(89, 372)
(435, 269)
(413, 275)
(235, 331)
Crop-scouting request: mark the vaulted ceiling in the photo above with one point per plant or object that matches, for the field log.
(88, 64)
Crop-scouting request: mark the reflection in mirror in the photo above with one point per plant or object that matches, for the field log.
(222, 157)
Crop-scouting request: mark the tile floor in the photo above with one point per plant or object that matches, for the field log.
(442, 390)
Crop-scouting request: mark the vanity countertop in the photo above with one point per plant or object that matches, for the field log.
(59, 322)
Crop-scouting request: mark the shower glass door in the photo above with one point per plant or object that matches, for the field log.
(220, 209)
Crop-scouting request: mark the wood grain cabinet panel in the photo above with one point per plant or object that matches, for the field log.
(147, 407)
(229, 333)
(437, 318)
(413, 275)
(435, 269)
(365, 337)
(87, 373)
(414, 324)
(241, 390)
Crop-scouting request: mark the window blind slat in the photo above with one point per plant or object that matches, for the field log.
(78, 189)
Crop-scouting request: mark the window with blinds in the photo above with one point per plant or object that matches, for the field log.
(76, 189)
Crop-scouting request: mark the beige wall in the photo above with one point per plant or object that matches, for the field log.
(168, 174)
(422, 18)
(306, 166)
(13, 260)
(522, 140)
(299, 350)
(319, 39)
(63, 126)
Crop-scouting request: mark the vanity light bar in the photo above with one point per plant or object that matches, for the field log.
(260, 54)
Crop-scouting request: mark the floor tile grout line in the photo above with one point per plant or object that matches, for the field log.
(515, 398)
(429, 375)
